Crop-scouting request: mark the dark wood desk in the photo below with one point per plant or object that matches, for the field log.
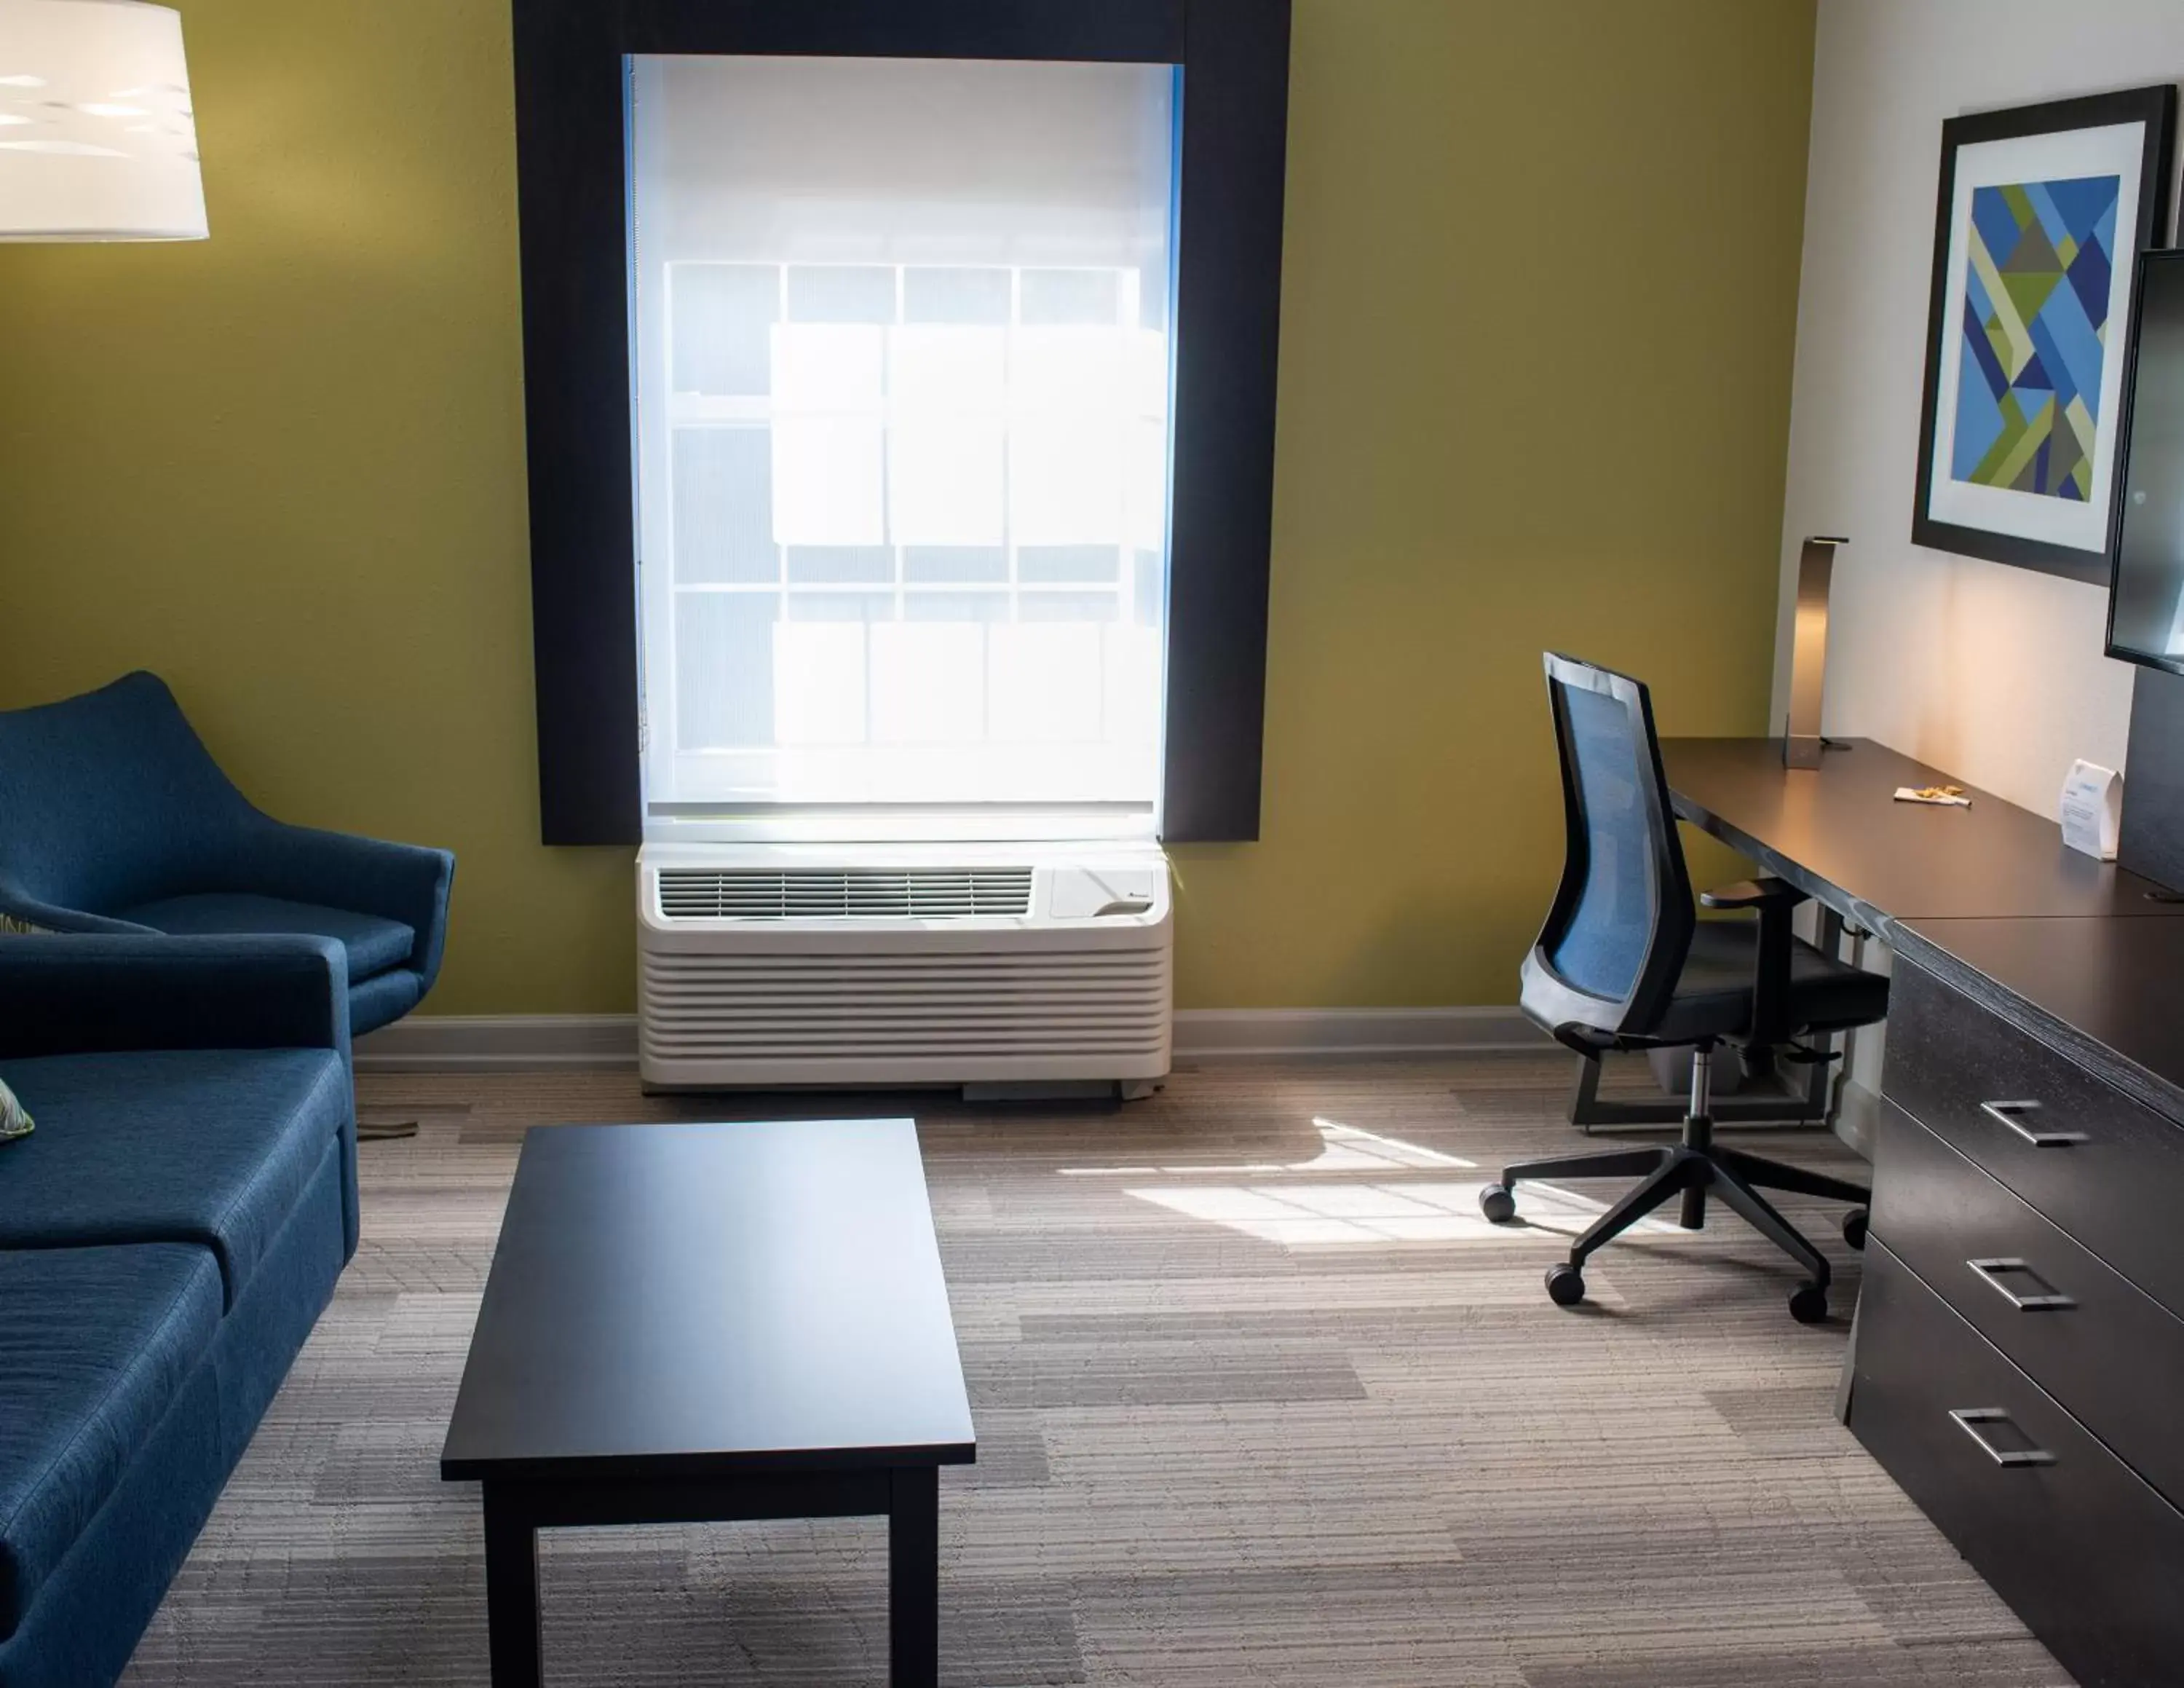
(2020, 1337)
(2108, 993)
(1837, 833)
(701, 1323)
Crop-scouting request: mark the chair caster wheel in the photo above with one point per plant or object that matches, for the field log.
(1809, 1304)
(1565, 1285)
(1853, 1228)
(1497, 1204)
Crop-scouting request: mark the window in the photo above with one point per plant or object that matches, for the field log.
(903, 374)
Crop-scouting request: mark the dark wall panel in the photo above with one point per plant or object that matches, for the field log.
(1143, 30)
(1229, 297)
(576, 360)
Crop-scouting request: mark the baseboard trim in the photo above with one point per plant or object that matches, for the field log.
(550, 1041)
(1325, 1034)
(510, 1043)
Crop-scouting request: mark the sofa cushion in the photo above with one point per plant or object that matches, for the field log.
(209, 1146)
(95, 1343)
(373, 944)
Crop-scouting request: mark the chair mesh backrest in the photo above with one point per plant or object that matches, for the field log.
(1602, 948)
(1616, 939)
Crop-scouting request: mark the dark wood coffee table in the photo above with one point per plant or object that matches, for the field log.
(697, 1323)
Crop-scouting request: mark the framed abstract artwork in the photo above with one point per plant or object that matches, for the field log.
(2043, 210)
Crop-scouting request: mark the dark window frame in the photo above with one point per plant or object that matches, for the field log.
(571, 189)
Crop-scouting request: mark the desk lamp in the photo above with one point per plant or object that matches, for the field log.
(1802, 745)
(96, 137)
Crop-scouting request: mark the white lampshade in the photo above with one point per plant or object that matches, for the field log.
(96, 139)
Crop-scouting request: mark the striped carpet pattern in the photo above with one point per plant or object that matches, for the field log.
(1260, 1399)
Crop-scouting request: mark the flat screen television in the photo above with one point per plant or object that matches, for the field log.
(2146, 604)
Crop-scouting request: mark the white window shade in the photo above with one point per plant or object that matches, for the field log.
(903, 377)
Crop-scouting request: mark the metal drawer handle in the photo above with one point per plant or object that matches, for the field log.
(2011, 1114)
(1970, 1418)
(1992, 1272)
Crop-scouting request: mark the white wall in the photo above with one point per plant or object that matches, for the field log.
(1995, 673)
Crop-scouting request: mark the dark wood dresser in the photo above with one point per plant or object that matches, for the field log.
(2019, 1361)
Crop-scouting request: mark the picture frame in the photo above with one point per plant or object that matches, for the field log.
(2043, 212)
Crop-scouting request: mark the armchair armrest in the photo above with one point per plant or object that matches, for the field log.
(18, 914)
(1774, 900)
(405, 882)
(20, 909)
(85, 993)
(1753, 893)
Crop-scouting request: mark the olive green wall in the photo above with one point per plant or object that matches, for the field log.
(1541, 304)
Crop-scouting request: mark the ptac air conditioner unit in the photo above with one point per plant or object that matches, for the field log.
(986, 965)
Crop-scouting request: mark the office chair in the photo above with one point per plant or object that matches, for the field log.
(1623, 963)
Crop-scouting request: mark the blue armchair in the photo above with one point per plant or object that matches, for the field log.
(114, 818)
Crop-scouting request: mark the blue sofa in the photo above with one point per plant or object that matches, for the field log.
(169, 1234)
(114, 817)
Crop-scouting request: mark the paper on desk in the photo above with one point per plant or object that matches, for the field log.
(2093, 810)
(1948, 796)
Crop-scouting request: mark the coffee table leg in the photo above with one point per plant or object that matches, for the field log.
(511, 1589)
(913, 1579)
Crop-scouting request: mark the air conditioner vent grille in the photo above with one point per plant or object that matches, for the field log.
(845, 894)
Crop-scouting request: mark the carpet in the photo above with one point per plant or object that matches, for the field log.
(1260, 1399)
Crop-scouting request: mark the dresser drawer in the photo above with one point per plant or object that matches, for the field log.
(2096, 1163)
(2107, 1352)
(2089, 1556)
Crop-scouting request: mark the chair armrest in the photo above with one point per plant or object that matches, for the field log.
(18, 913)
(1753, 893)
(1774, 900)
(405, 882)
(85, 993)
(20, 909)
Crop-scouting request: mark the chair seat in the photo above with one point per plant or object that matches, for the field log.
(95, 1344)
(373, 944)
(1712, 995)
(214, 1146)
